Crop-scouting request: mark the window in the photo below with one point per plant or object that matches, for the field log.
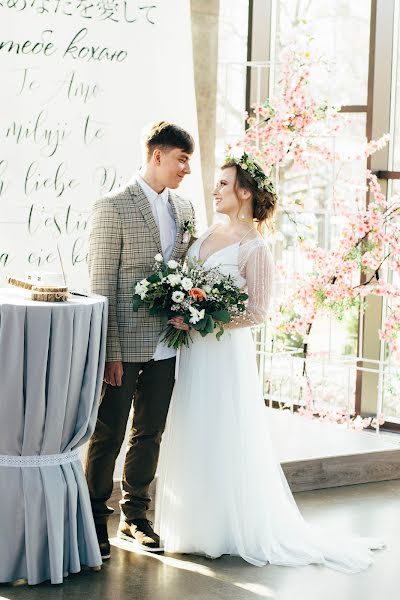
(362, 73)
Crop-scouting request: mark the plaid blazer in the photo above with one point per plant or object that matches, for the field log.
(123, 241)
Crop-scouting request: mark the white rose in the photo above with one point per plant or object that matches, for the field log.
(174, 279)
(138, 288)
(207, 288)
(172, 264)
(178, 297)
(141, 290)
(159, 258)
(187, 283)
(197, 315)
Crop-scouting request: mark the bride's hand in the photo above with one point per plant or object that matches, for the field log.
(179, 323)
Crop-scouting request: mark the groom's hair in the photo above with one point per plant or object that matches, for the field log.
(166, 136)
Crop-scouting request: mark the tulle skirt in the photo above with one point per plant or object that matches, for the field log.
(220, 488)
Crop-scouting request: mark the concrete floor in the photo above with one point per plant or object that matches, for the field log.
(370, 509)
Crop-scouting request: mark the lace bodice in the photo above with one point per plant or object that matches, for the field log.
(251, 266)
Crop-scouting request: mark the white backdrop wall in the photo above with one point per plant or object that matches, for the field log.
(82, 79)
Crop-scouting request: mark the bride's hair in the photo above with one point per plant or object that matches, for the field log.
(264, 201)
(166, 135)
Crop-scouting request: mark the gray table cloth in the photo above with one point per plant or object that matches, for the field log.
(51, 369)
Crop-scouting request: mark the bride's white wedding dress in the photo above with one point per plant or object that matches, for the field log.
(220, 489)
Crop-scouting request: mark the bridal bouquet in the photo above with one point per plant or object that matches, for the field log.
(206, 299)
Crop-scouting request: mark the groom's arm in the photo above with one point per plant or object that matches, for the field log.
(105, 243)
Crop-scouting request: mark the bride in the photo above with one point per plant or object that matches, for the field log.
(220, 488)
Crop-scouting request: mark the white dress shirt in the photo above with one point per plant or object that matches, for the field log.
(164, 217)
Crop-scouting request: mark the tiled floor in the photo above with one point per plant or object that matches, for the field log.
(372, 509)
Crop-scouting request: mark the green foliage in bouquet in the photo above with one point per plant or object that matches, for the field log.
(205, 299)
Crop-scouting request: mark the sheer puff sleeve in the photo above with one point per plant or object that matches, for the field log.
(256, 267)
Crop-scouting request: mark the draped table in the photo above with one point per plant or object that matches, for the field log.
(51, 369)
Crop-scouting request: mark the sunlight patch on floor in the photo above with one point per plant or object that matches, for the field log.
(185, 565)
(256, 588)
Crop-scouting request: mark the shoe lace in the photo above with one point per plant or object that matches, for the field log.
(147, 527)
(145, 522)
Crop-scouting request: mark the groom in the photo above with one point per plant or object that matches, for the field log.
(129, 227)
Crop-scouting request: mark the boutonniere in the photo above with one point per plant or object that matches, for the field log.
(188, 230)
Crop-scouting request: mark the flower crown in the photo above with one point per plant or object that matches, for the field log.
(246, 163)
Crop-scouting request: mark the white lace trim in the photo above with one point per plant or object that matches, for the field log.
(45, 460)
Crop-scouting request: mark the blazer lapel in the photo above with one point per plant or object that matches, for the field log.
(144, 206)
(178, 220)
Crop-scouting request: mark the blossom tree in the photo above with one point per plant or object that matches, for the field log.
(287, 128)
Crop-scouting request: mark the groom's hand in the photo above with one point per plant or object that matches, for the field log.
(113, 372)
